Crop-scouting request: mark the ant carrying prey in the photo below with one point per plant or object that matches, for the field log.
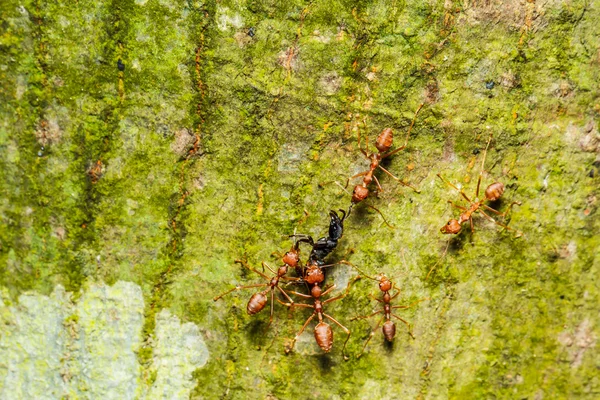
(314, 277)
(492, 193)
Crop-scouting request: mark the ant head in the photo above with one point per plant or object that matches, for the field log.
(384, 140)
(384, 283)
(291, 258)
(314, 274)
(451, 227)
(494, 191)
(359, 194)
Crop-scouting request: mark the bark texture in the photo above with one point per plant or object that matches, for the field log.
(145, 145)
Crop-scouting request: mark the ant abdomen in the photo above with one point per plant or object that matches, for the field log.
(256, 303)
(324, 336)
(385, 140)
(389, 330)
(494, 191)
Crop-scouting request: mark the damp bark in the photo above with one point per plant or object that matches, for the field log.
(155, 142)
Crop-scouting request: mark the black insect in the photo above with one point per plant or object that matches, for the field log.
(120, 65)
(325, 245)
(251, 31)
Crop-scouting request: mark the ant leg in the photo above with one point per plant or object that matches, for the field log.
(290, 278)
(382, 217)
(264, 264)
(286, 295)
(391, 153)
(291, 347)
(413, 303)
(366, 152)
(504, 214)
(399, 180)
(304, 239)
(462, 193)
(342, 187)
(394, 296)
(345, 330)
(245, 264)
(378, 185)
(366, 316)
(371, 336)
(375, 298)
(329, 290)
(341, 296)
(482, 163)
(457, 206)
(300, 295)
(322, 185)
(440, 259)
(306, 215)
(356, 176)
(239, 288)
(356, 268)
(302, 305)
(272, 307)
(367, 144)
(407, 324)
(407, 133)
(518, 233)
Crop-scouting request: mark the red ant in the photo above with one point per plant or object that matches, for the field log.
(314, 277)
(492, 193)
(383, 145)
(258, 300)
(389, 328)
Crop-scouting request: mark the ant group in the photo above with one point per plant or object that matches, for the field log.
(257, 302)
(311, 275)
(492, 193)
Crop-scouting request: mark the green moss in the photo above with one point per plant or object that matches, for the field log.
(271, 143)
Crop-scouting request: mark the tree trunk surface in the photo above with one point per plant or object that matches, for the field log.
(146, 145)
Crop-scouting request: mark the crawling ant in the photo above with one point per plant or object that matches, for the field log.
(383, 144)
(257, 302)
(314, 277)
(492, 193)
(389, 327)
(325, 245)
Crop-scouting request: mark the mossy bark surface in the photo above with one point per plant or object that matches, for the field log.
(155, 142)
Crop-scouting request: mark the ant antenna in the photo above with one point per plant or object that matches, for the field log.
(438, 261)
(358, 269)
(380, 213)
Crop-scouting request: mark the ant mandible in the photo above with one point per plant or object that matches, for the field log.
(257, 302)
(383, 144)
(492, 193)
(389, 327)
(314, 277)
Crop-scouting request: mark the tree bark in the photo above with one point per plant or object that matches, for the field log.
(146, 145)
